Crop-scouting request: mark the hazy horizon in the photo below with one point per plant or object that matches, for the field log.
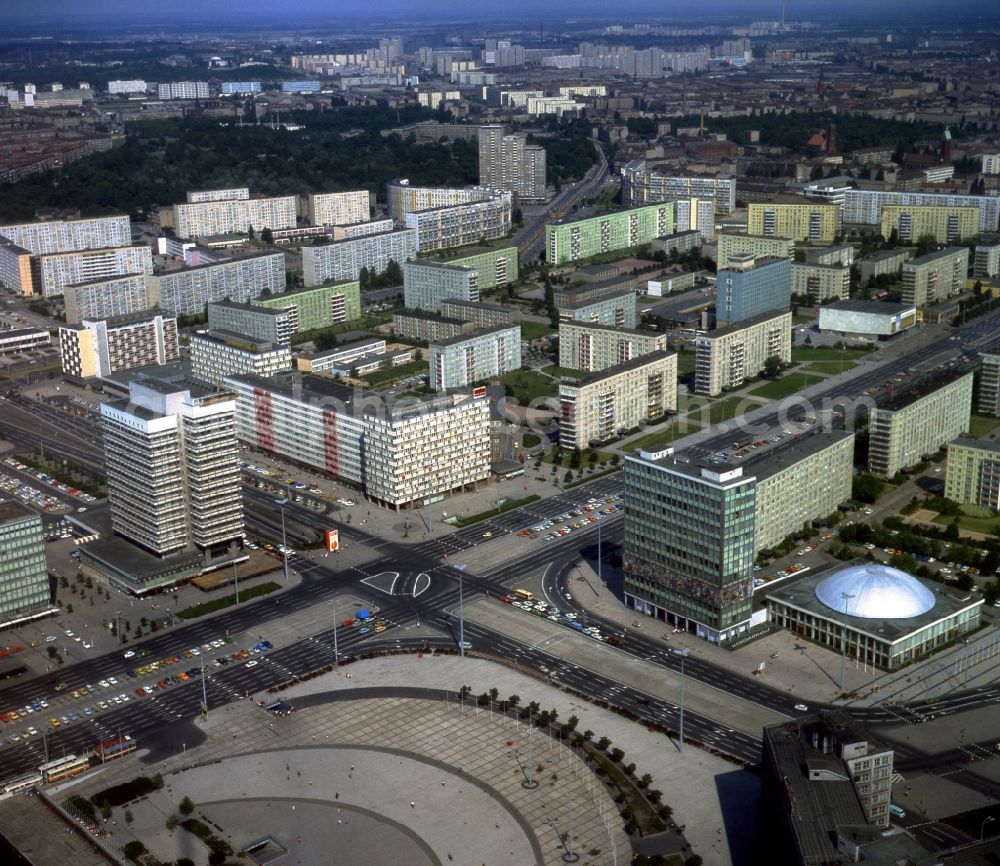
(241, 13)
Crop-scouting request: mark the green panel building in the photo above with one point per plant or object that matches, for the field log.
(24, 581)
(319, 306)
(497, 266)
(573, 240)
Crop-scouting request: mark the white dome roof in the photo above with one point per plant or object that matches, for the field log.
(875, 591)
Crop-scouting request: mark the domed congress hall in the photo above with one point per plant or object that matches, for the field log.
(885, 617)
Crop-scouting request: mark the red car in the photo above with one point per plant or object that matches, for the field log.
(141, 692)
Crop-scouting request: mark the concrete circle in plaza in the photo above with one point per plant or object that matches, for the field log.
(874, 591)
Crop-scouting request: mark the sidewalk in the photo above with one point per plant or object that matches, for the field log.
(805, 670)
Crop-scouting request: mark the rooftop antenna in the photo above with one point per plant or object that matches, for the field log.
(782, 14)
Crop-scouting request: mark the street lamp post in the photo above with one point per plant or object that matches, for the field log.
(680, 728)
(461, 618)
(118, 628)
(236, 581)
(281, 503)
(336, 651)
(204, 688)
(847, 597)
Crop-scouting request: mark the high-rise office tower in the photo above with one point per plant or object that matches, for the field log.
(173, 468)
(24, 580)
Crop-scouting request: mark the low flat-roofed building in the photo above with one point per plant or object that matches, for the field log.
(591, 348)
(867, 318)
(972, 475)
(592, 291)
(217, 354)
(23, 339)
(340, 357)
(919, 421)
(825, 798)
(603, 406)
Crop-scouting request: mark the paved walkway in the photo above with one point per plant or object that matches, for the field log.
(806, 670)
(365, 761)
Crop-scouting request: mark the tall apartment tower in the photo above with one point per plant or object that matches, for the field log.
(509, 162)
(172, 463)
(24, 579)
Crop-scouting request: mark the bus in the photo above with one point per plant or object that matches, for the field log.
(22, 783)
(524, 593)
(63, 768)
(112, 749)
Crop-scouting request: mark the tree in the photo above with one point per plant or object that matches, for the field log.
(266, 235)
(772, 367)
(364, 278)
(186, 806)
(867, 487)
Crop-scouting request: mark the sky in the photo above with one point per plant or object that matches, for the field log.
(240, 11)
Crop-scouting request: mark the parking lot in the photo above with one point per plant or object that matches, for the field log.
(135, 682)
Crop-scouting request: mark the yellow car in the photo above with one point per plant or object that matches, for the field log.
(54, 722)
(379, 629)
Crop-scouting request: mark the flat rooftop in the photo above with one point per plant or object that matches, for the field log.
(859, 305)
(618, 369)
(309, 388)
(473, 335)
(235, 339)
(922, 389)
(802, 594)
(602, 299)
(747, 323)
(11, 509)
(980, 444)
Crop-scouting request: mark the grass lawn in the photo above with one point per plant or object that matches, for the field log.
(663, 436)
(556, 371)
(980, 425)
(536, 330)
(401, 372)
(786, 385)
(986, 525)
(730, 408)
(802, 355)
(526, 385)
(829, 366)
(685, 363)
(801, 320)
